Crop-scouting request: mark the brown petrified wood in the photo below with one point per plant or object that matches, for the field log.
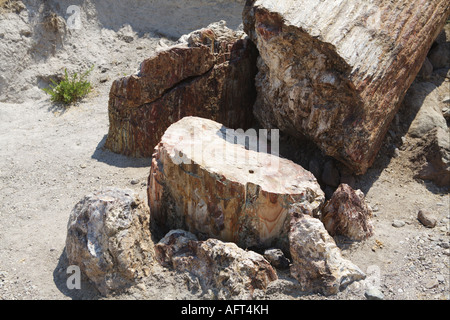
(203, 182)
(336, 71)
(209, 74)
(348, 214)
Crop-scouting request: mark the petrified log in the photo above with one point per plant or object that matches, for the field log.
(348, 214)
(209, 74)
(202, 181)
(336, 71)
(317, 262)
(220, 266)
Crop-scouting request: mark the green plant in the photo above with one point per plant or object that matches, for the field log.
(71, 88)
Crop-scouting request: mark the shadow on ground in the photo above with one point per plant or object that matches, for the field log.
(60, 277)
(117, 160)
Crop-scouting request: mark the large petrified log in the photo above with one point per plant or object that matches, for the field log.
(336, 71)
(202, 181)
(209, 74)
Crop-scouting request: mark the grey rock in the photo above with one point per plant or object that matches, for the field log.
(108, 237)
(398, 223)
(423, 99)
(431, 284)
(433, 157)
(276, 258)
(317, 262)
(427, 218)
(373, 294)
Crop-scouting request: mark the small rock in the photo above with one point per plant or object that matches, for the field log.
(440, 278)
(348, 214)
(83, 166)
(427, 218)
(134, 181)
(446, 113)
(374, 294)
(431, 284)
(396, 153)
(276, 258)
(444, 245)
(398, 223)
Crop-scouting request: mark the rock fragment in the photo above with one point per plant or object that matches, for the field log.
(348, 214)
(277, 258)
(317, 262)
(220, 266)
(427, 218)
(109, 239)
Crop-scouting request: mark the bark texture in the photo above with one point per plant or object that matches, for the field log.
(336, 71)
(209, 74)
(204, 184)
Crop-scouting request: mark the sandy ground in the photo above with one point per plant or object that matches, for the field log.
(51, 157)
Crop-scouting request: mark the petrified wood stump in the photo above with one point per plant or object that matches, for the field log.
(210, 75)
(336, 71)
(203, 182)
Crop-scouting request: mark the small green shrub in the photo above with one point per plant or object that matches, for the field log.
(71, 88)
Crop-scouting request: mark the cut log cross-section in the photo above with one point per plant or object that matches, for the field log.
(336, 71)
(203, 182)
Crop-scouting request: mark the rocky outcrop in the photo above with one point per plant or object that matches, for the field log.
(206, 179)
(317, 262)
(336, 71)
(209, 74)
(231, 272)
(348, 214)
(108, 238)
